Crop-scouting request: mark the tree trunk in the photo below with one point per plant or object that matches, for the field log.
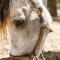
(53, 7)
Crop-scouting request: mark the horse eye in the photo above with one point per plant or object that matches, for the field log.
(18, 23)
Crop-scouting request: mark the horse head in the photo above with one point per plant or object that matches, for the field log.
(22, 25)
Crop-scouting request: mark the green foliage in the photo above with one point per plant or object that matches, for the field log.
(48, 3)
(58, 4)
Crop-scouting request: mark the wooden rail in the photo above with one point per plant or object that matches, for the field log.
(56, 18)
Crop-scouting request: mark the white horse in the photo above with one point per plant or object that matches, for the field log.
(23, 26)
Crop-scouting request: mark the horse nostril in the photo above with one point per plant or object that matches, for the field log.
(18, 23)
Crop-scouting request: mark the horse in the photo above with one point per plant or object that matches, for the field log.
(20, 19)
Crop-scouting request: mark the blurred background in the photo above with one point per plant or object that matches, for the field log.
(52, 43)
(54, 38)
(53, 7)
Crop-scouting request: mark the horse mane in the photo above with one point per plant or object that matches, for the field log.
(4, 7)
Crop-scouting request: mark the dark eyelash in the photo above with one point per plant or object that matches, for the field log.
(18, 23)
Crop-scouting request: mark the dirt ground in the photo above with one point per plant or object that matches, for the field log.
(52, 55)
(52, 44)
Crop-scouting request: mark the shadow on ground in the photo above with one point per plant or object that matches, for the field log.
(52, 55)
(47, 55)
